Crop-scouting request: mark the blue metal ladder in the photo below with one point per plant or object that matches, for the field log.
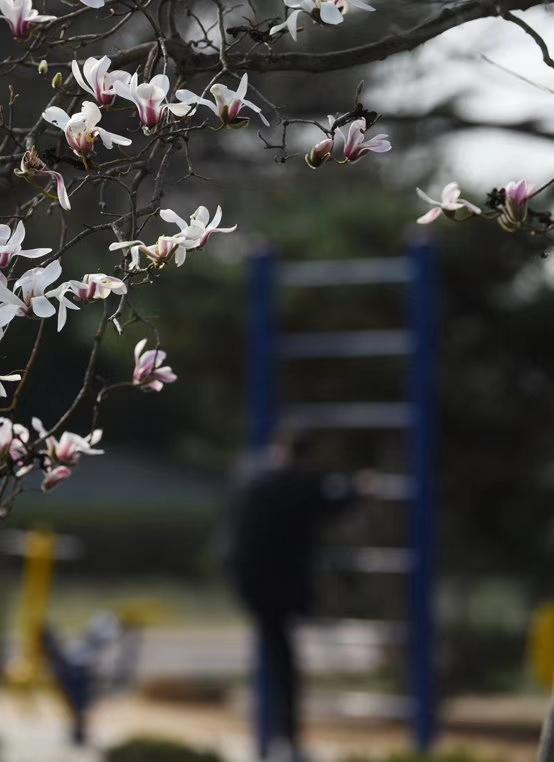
(417, 271)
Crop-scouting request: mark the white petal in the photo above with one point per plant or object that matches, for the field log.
(56, 116)
(329, 13)
(42, 307)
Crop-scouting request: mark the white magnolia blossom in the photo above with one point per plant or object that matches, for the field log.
(67, 450)
(81, 130)
(198, 232)
(97, 80)
(13, 443)
(149, 373)
(32, 166)
(192, 235)
(228, 103)
(32, 299)
(354, 145)
(10, 245)
(158, 253)
(324, 11)
(64, 303)
(449, 204)
(96, 286)
(20, 16)
(9, 377)
(149, 98)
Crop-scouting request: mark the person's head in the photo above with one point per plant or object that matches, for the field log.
(297, 449)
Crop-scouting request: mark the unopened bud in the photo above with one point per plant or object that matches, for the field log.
(43, 67)
(57, 81)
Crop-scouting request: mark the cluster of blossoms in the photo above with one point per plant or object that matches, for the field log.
(509, 206)
(326, 12)
(346, 148)
(192, 235)
(30, 296)
(57, 458)
(167, 114)
(82, 131)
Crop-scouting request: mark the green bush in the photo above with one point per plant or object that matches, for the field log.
(157, 750)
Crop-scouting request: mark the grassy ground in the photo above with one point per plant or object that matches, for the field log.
(162, 601)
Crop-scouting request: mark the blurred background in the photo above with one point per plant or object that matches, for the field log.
(138, 533)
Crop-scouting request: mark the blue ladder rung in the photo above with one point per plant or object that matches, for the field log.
(346, 272)
(349, 415)
(360, 633)
(362, 704)
(389, 486)
(346, 344)
(372, 560)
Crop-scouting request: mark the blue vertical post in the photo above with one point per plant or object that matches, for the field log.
(423, 256)
(262, 339)
(262, 416)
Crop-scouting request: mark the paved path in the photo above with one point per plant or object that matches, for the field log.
(34, 730)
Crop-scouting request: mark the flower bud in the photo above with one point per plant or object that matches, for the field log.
(57, 81)
(320, 153)
(43, 67)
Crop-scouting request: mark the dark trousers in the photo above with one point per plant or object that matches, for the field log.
(277, 682)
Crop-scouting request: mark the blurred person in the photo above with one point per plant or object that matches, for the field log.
(274, 521)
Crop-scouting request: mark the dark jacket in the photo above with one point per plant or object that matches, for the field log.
(274, 520)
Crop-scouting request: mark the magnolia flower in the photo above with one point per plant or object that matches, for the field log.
(159, 253)
(229, 103)
(147, 373)
(324, 11)
(198, 232)
(20, 16)
(80, 129)
(149, 99)
(97, 80)
(67, 450)
(13, 441)
(514, 209)
(33, 166)
(64, 303)
(353, 147)
(97, 286)
(33, 301)
(449, 204)
(320, 153)
(55, 476)
(9, 377)
(10, 245)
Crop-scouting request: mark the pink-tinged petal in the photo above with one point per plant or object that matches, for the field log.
(138, 349)
(166, 375)
(355, 137)
(451, 193)
(54, 477)
(61, 190)
(431, 216)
